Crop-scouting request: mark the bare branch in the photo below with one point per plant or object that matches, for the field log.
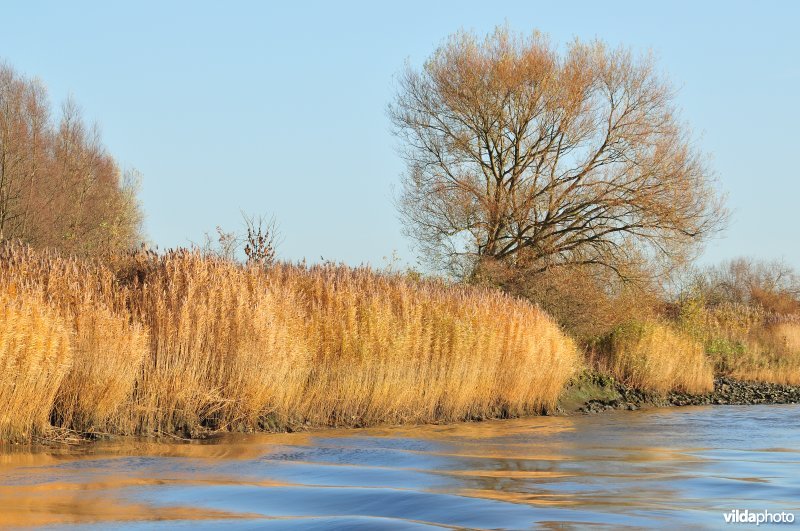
(518, 153)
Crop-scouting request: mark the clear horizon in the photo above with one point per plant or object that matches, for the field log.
(281, 111)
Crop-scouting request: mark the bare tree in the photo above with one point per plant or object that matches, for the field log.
(259, 240)
(772, 285)
(516, 153)
(58, 186)
(23, 138)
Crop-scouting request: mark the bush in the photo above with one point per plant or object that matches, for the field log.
(588, 303)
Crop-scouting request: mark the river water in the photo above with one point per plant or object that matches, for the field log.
(676, 468)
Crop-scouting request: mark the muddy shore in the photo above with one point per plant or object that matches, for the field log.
(595, 393)
(588, 394)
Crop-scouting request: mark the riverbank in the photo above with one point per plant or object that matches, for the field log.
(589, 393)
(592, 393)
(189, 346)
(185, 345)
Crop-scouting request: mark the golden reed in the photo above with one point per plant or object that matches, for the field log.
(182, 344)
(772, 354)
(746, 342)
(655, 357)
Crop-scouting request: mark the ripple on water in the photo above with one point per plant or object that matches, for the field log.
(676, 467)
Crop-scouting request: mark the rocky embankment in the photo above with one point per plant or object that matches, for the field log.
(594, 393)
(737, 392)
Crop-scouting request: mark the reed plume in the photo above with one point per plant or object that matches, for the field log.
(185, 343)
(655, 357)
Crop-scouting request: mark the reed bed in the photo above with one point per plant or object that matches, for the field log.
(107, 346)
(108, 353)
(183, 344)
(770, 354)
(35, 355)
(654, 357)
(746, 342)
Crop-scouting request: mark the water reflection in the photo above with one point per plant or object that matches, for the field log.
(673, 467)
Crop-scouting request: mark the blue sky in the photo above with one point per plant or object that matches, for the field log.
(280, 109)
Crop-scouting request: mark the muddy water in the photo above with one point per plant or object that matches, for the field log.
(681, 467)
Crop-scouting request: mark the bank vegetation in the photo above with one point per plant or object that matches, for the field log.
(554, 191)
(188, 344)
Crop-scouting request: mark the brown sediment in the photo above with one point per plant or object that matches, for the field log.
(727, 391)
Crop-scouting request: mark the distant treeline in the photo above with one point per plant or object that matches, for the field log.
(59, 187)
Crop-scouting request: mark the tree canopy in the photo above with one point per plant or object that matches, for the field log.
(59, 187)
(521, 154)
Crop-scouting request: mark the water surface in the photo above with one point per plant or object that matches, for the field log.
(680, 467)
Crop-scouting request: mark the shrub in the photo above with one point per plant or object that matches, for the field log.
(587, 302)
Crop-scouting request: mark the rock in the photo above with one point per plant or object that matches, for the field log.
(726, 391)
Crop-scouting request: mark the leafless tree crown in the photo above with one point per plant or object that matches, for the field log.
(518, 153)
(58, 185)
(259, 239)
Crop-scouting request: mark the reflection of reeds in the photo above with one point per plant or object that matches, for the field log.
(78, 504)
(181, 342)
(654, 357)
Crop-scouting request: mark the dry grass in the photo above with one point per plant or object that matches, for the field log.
(384, 349)
(240, 348)
(227, 347)
(745, 342)
(771, 354)
(654, 357)
(107, 347)
(183, 343)
(109, 351)
(788, 336)
(35, 355)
